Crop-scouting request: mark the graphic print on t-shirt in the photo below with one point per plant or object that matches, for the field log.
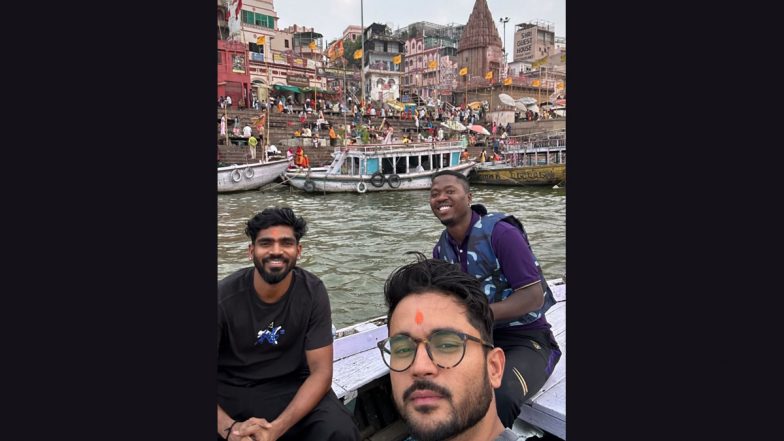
(270, 334)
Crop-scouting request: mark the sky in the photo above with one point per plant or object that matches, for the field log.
(330, 17)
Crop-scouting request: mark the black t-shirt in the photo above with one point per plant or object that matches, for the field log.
(260, 341)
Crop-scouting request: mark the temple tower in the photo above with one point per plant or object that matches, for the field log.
(480, 47)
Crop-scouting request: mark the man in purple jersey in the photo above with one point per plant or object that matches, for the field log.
(494, 248)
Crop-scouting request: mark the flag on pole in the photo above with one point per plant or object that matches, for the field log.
(312, 45)
(508, 82)
(339, 50)
(463, 71)
(260, 40)
(331, 50)
(432, 64)
(536, 83)
(358, 54)
(397, 58)
(489, 75)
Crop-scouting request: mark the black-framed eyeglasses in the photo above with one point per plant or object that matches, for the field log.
(445, 348)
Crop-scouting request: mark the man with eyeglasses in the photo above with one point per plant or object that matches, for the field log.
(494, 248)
(443, 366)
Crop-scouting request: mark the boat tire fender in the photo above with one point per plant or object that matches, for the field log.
(394, 181)
(249, 172)
(377, 179)
(236, 176)
(309, 185)
(361, 187)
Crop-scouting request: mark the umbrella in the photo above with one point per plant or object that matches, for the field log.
(454, 125)
(534, 108)
(520, 106)
(478, 129)
(526, 100)
(397, 105)
(506, 99)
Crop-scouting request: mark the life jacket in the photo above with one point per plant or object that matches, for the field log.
(484, 265)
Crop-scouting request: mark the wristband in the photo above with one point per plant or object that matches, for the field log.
(228, 431)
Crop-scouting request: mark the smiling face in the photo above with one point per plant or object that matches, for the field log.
(275, 252)
(450, 200)
(438, 403)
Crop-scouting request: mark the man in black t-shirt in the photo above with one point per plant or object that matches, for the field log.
(275, 343)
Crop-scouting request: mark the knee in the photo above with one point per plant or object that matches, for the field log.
(337, 429)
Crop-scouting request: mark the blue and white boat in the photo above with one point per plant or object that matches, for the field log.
(383, 167)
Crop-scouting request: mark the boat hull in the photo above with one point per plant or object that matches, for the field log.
(328, 183)
(519, 176)
(251, 176)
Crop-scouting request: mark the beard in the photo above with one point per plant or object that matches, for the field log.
(275, 276)
(462, 416)
(448, 222)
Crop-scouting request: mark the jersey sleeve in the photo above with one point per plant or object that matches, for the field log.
(514, 255)
(319, 333)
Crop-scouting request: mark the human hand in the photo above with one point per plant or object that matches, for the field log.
(255, 429)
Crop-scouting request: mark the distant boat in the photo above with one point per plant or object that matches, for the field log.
(528, 160)
(383, 167)
(251, 176)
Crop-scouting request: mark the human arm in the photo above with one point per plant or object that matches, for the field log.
(520, 302)
(518, 265)
(307, 397)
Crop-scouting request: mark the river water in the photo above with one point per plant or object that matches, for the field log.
(354, 241)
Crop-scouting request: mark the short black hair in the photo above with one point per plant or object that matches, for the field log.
(274, 216)
(431, 275)
(456, 174)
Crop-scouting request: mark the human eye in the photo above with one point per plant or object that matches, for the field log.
(447, 342)
(402, 348)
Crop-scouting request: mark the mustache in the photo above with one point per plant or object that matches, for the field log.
(426, 385)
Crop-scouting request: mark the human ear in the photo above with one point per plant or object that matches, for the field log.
(496, 361)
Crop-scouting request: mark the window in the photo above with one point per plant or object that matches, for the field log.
(286, 43)
(247, 17)
(220, 58)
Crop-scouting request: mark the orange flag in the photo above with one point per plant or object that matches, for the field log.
(489, 75)
(397, 58)
(507, 81)
(463, 71)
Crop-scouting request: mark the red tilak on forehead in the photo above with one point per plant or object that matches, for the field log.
(419, 317)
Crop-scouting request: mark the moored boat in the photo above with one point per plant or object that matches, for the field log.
(383, 167)
(251, 176)
(528, 160)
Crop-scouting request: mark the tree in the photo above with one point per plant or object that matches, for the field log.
(349, 47)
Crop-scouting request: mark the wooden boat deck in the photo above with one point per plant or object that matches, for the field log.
(357, 362)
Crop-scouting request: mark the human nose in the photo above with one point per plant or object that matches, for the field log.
(423, 365)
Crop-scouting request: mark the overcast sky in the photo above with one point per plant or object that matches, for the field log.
(330, 17)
